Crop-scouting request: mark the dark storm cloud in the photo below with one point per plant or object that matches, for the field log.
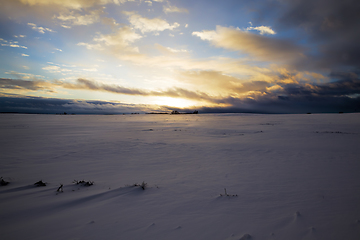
(342, 95)
(331, 29)
(339, 88)
(289, 105)
(331, 25)
(25, 104)
(346, 84)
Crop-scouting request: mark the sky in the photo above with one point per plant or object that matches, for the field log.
(122, 56)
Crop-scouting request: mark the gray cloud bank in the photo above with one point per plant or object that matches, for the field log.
(329, 26)
(38, 105)
(342, 95)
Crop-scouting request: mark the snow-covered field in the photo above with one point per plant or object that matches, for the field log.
(295, 176)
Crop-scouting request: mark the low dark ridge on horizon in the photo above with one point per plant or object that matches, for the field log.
(303, 105)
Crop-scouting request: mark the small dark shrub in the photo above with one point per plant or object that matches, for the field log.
(143, 185)
(84, 183)
(228, 195)
(246, 237)
(3, 182)
(60, 189)
(40, 184)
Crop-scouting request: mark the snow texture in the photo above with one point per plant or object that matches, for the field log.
(286, 176)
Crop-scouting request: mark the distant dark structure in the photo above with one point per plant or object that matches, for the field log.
(158, 113)
(176, 112)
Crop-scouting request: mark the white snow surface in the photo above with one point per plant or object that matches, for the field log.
(295, 176)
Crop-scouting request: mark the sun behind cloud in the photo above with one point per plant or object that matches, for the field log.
(175, 102)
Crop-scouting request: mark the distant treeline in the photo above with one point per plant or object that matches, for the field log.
(173, 112)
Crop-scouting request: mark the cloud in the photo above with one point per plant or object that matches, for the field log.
(208, 81)
(331, 100)
(34, 85)
(14, 44)
(57, 69)
(26, 104)
(90, 69)
(186, 62)
(85, 84)
(330, 27)
(303, 105)
(47, 10)
(173, 50)
(40, 29)
(65, 26)
(206, 35)
(91, 46)
(24, 75)
(342, 95)
(24, 55)
(262, 48)
(149, 25)
(122, 37)
(262, 29)
(119, 41)
(169, 50)
(218, 83)
(109, 21)
(53, 69)
(71, 4)
(170, 9)
(265, 97)
(77, 19)
(347, 84)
